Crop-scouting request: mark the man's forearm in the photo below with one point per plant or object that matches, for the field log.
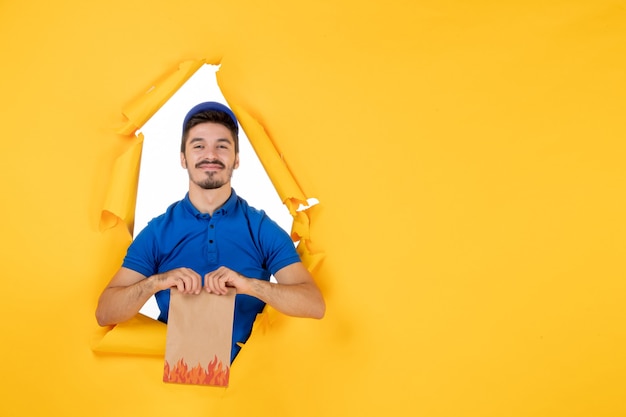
(118, 304)
(298, 300)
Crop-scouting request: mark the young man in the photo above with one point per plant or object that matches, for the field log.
(210, 240)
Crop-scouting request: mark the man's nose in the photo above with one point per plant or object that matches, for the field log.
(210, 154)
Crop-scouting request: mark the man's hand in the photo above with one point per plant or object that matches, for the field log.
(186, 280)
(216, 282)
(294, 293)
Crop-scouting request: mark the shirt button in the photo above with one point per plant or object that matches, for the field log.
(211, 226)
(211, 241)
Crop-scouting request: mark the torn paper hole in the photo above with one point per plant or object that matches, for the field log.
(163, 181)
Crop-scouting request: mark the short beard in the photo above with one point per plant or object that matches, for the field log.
(211, 183)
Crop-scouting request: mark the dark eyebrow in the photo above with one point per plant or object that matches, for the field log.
(230, 142)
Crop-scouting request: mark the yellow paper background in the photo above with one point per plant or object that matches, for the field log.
(469, 163)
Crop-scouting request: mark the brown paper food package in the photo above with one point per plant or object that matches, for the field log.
(199, 338)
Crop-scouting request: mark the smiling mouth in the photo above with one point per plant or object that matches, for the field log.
(210, 165)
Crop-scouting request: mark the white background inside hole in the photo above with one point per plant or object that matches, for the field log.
(163, 181)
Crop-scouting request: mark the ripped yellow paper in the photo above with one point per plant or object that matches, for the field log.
(144, 107)
(274, 165)
(122, 192)
(487, 281)
(141, 335)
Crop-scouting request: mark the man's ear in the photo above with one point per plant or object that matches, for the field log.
(183, 161)
(236, 161)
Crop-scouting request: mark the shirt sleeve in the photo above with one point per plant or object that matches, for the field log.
(140, 256)
(279, 250)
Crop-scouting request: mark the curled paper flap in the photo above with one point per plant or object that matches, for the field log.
(279, 174)
(287, 187)
(121, 194)
(140, 335)
(300, 227)
(143, 108)
(122, 191)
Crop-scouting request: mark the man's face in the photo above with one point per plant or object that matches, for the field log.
(209, 155)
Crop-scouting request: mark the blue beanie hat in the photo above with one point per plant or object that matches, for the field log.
(210, 105)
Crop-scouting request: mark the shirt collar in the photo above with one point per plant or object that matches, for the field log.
(227, 207)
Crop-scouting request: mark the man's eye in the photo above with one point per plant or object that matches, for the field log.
(198, 147)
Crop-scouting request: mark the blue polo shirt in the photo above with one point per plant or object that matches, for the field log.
(237, 236)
